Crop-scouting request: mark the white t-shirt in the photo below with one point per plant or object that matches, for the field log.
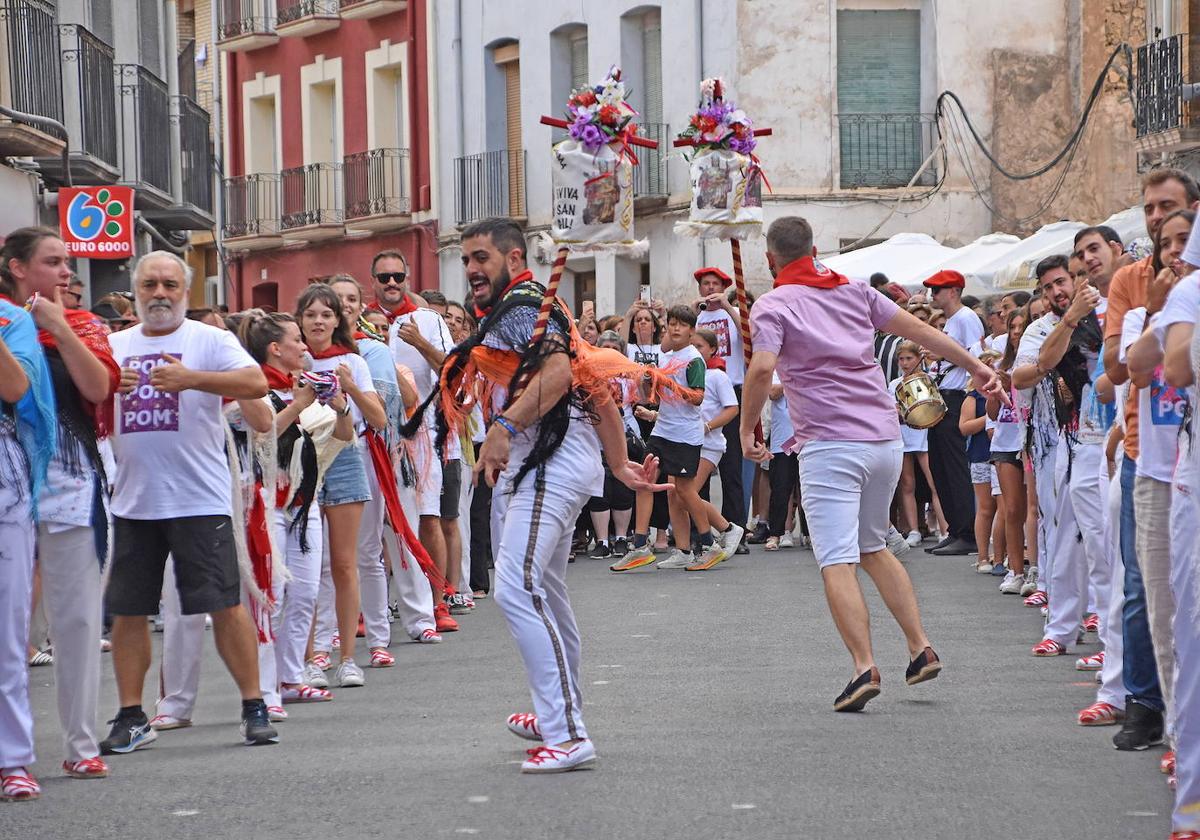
(643, 354)
(1160, 409)
(170, 448)
(362, 378)
(433, 328)
(915, 440)
(1009, 434)
(781, 420)
(729, 341)
(678, 420)
(966, 329)
(718, 395)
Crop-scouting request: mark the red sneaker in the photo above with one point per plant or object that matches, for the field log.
(1185, 835)
(88, 768)
(1101, 714)
(380, 658)
(1091, 624)
(1048, 647)
(1037, 599)
(441, 616)
(1167, 763)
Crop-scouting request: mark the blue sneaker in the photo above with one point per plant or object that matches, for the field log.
(999, 570)
(128, 733)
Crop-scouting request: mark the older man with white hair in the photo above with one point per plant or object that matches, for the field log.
(172, 492)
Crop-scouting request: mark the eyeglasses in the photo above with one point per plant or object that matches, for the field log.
(386, 278)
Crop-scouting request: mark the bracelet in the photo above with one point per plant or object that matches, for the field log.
(345, 412)
(506, 424)
(1071, 326)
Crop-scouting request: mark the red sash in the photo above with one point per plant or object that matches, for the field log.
(806, 271)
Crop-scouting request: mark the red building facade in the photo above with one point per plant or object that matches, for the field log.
(327, 149)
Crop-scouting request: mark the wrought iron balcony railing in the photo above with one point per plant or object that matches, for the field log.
(650, 175)
(88, 85)
(376, 183)
(252, 205)
(246, 17)
(288, 11)
(1158, 105)
(312, 195)
(197, 155)
(30, 73)
(145, 114)
(885, 150)
(489, 184)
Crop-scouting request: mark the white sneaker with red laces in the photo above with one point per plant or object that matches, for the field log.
(276, 714)
(1090, 663)
(429, 636)
(304, 694)
(380, 658)
(161, 723)
(524, 725)
(581, 756)
(1048, 647)
(1037, 599)
(87, 768)
(1101, 714)
(17, 784)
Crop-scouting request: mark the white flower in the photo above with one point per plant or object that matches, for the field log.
(738, 116)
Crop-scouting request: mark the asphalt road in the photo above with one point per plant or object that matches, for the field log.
(709, 697)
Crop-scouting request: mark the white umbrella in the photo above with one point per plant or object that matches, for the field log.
(904, 258)
(1129, 224)
(1014, 268)
(968, 259)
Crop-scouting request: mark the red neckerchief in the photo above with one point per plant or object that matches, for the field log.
(330, 351)
(806, 271)
(94, 334)
(277, 380)
(360, 335)
(520, 278)
(406, 306)
(715, 362)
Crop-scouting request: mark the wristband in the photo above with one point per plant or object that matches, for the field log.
(506, 424)
(345, 412)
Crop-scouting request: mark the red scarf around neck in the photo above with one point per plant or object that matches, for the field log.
(520, 278)
(406, 306)
(715, 362)
(277, 380)
(330, 351)
(806, 271)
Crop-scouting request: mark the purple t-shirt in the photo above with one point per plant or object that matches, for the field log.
(824, 339)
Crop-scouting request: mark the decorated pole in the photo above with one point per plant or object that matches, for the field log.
(739, 281)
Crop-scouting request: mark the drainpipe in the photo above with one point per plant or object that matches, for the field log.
(703, 76)
(218, 146)
(171, 62)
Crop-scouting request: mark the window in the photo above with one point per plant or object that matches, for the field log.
(261, 140)
(568, 68)
(321, 106)
(508, 59)
(883, 137)
(386, 112)
(641, 62)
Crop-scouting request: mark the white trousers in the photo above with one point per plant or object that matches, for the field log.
(182, 648)
(1047, 483)
(294, 616)
(409, 586)
(465, 494)
(72, 599)
(1185, 584)
(1112, 682)
(16, 593)
(532, 531)
(1152, 506)
(372, 574)
(1079, 542)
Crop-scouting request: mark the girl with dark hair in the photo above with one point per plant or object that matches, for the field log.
(72, 528)
(330, 339)
(645, 336)
(1008, 440)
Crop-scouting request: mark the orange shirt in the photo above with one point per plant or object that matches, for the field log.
(1127, 291)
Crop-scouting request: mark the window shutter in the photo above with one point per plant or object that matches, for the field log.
(579, 61)
(515, 153)
(652, 108)
(879, 96)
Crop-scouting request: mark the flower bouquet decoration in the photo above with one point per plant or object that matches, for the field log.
(726, 178)
(593, 172)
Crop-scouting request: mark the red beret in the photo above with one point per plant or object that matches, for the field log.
(725, 278)
(946, 279)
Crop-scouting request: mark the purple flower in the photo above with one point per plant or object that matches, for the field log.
(591, 137)
(742, 146)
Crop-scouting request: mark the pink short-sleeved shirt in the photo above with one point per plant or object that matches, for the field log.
(824, 339)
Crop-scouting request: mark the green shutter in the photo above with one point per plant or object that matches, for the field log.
(652, 108)
(879, 96)
(579, 61)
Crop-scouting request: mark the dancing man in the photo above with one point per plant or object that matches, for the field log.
(818, 328)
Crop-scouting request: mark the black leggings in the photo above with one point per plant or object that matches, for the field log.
(784, 477)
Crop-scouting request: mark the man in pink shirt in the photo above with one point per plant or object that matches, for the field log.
(817, 329)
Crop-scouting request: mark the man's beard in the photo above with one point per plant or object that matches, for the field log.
(498, 286)
(383, 293)
(161, 315)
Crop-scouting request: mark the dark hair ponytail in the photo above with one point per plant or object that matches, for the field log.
(260, 329)
(20, 245)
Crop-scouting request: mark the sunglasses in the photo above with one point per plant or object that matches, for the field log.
(386, 278)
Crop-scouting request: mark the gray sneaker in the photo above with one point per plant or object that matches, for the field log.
(731, 539)
(349, 675)
(681, 559)
(897, 544)
(1031, 581)
(314, 676)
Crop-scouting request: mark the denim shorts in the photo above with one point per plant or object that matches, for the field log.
(346, 479)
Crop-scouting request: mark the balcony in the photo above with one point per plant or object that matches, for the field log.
(650, 188)
(489, 184)
(302, 18)
(377, 195)
(312, 202)
(144, 144)
(246, 25)
(30, 77)
(1163, 121)
(195, 210)
(362, 9)
(252, 212)
(89, 96)
(884, 151)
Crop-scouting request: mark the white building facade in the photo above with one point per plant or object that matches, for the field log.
(848, 87)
